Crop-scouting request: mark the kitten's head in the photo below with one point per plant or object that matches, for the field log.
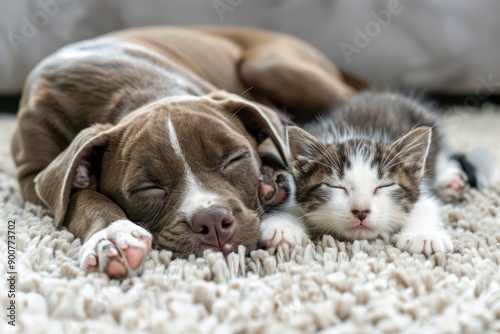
(358, 188)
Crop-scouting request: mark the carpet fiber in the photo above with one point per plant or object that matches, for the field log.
(329, 286)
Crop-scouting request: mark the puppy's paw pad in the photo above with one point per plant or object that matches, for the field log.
(134, 257)
(451, 186)
(116, 269)
(118, 250)
(423, 243)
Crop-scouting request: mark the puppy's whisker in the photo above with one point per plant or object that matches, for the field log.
(246, 91)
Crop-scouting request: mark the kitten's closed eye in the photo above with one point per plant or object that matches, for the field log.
(336, 187)
(382, 187)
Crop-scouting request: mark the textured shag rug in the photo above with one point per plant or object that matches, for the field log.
(328, 286)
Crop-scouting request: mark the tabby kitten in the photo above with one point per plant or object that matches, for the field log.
(373, 166)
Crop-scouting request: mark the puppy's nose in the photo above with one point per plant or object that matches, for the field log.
(214, 225)
(361, 215)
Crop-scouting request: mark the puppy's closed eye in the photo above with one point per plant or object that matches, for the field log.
(148, 190)
(145, 203)
(234, 160)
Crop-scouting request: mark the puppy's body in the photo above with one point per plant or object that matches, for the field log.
(133, 128)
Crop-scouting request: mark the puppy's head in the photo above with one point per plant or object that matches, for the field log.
(187, 168)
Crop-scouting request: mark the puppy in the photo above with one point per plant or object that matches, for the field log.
(148, 137)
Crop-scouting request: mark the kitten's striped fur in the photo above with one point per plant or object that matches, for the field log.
(371, 166)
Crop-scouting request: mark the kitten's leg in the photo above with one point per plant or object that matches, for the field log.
(424, 232)
(456, 172)
(282, 227)
(451, 181)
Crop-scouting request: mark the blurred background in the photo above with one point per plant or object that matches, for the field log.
(449, 49)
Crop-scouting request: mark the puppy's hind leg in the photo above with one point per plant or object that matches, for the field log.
(294, 76)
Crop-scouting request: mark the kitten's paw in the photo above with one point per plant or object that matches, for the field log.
(436, 241)
(118, 250)
(451, 185)
(276, 231)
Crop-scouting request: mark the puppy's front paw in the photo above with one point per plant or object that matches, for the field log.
(273, 186)
(436, 241)
(277, 230)
(118, 250)
(451, 185)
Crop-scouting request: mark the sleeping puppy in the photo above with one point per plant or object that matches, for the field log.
(138, 138)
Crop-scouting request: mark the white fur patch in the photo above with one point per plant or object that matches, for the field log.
(361, 180)
(196, 197)
(174, 141)
(424, 231)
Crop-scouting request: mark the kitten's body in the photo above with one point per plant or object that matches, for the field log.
(371, 167)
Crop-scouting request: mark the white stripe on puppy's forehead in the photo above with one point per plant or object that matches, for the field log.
(174, 141)
(195, 196)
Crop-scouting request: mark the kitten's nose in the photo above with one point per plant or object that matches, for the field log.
(361, 215)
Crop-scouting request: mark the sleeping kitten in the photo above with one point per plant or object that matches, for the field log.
(372, 166)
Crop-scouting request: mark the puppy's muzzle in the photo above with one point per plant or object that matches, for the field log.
(215, 226)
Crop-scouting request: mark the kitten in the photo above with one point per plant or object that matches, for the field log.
(373, 166)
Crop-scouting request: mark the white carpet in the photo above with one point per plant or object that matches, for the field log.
(330, 286)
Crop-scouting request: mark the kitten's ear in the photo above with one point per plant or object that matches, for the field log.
(304, 148)
(413, 149)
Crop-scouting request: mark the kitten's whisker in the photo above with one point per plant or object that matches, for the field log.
(326, 155)
(330, 137)
(406, 148)
(312, 161)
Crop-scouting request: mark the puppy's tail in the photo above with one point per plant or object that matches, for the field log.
(480, 166)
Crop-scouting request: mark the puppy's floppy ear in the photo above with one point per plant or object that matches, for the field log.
(74, 168)
(260, 121)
